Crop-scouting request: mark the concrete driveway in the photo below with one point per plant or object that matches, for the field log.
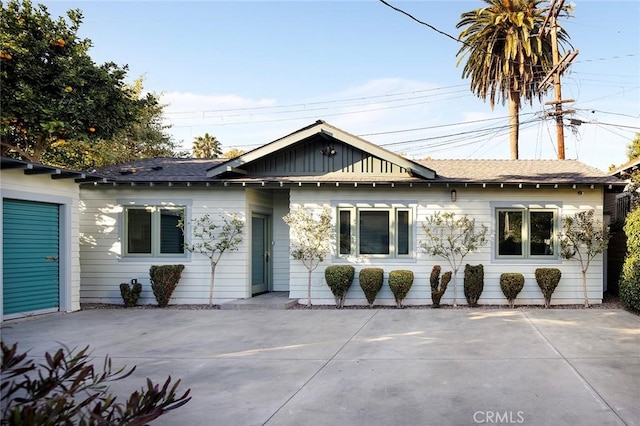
(368, 367)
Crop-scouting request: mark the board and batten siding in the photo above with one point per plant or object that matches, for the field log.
(476, 203)
(14, 184)
(104, 267)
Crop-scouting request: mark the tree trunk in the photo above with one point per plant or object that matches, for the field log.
(584, 289)
(309, 290)
(213, 275)
(455, 288)
(514, 123)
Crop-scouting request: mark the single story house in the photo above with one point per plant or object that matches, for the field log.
(40, 263)
(378, 201)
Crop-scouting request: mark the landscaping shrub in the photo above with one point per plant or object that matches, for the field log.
(400, 283)
(548, 279)
(130, 293)
(65, 388)
(511, 285)
(164, 279)
(630, 283)
(629, 289)
(438, 287)
(371, 280)
(339, 278)
(473, 283)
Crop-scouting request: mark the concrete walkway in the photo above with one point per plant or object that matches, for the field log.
(368, 367)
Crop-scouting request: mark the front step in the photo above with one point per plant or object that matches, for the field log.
(278, 300)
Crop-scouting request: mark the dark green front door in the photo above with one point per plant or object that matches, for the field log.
(259, 253)
(30, 259)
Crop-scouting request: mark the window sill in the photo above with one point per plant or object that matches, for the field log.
(155, 259)
(526, 261)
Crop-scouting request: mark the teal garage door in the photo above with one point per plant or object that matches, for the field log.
(30, 256)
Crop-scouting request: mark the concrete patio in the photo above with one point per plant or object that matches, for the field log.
(367, 367)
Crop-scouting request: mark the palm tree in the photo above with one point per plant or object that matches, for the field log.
(507, 57)
(206, 146)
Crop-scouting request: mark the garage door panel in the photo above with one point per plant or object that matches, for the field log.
(30, 256)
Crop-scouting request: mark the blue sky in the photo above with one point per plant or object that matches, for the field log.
(251, 72)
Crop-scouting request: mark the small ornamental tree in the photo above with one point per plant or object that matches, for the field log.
(213, 239)
(309, 238)
(584, 238)
(452, 238)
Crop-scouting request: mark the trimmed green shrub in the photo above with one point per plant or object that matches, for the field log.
(630, 283)
(65, 388)
(339, 278)
(511, 285)
(400, 282)
(473, 283)
(548, 279)
(371, 280)
(164, 280)
(629, 288)
(130, 293)
(438, 287)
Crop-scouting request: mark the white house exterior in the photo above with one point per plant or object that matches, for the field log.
(378, 201)
(40, 264)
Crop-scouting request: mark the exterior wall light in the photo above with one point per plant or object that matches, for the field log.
(454, 195)
(328, 151)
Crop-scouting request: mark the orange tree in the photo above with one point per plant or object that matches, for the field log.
(52, 91)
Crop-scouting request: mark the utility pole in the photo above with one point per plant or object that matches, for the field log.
(559, 66)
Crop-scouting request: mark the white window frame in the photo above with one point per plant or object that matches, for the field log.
(526, 232)
(156, 235)
(393, 231)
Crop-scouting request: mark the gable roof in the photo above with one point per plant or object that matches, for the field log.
(328, 132)
(241, 170)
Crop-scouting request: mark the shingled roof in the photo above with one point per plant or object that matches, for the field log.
(518, 171)
(544, 172)
(161, 170)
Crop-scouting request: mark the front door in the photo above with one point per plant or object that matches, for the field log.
(260, 253)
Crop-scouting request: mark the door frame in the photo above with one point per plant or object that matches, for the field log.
(65, 265)
(268, 243)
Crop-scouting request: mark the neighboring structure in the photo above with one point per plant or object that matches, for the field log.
(620, 205)
(40, 263)
(378, 199)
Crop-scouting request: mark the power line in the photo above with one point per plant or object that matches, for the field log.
(436, 127)
(304, 104)
(422, 22)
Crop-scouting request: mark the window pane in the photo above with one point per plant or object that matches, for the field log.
(509, 233)
(541, 238)
(345, 232)
(171, 237)
(138, 231)
(374, 232)
(403, 232)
